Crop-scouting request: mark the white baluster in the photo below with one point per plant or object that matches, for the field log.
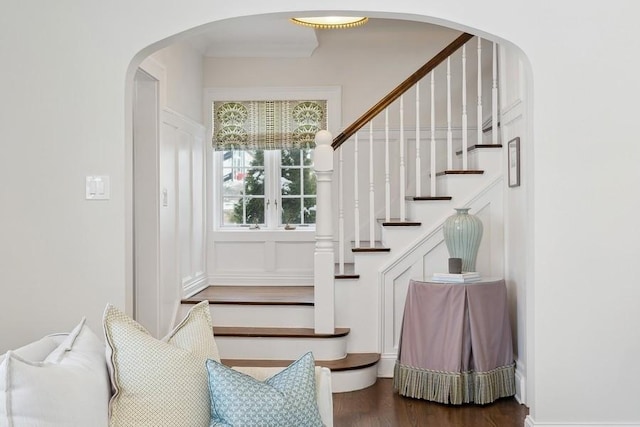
(323, 260)
(341, 211)
(372, 205)
(479, 119)
(402, 161)
(387, 173)
(494, 97)
(356, 201)
(465, 142)
(449, 132)
(418, 173)
(433, 136)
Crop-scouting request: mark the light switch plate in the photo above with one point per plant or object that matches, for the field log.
(98, 187)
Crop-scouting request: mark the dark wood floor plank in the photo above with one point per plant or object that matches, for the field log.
(380, 406)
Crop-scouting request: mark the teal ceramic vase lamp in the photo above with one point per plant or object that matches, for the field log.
(462, 234)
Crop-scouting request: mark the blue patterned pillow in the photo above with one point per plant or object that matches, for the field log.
(287, 399)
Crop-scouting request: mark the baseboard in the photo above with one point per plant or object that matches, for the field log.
(385, 365)
(521, 389)
(529, 422)
(263, 279)
(194, 286)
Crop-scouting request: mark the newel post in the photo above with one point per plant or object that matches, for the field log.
(323, 261)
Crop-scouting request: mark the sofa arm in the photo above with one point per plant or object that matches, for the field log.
(323, 387)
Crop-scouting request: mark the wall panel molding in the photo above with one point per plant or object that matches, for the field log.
(184, 141)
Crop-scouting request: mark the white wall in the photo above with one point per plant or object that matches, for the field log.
(184, 77)
(518, 235)
(386, 55)
(181, 188)
(64, 80)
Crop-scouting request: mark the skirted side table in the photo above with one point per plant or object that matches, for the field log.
(455, 345)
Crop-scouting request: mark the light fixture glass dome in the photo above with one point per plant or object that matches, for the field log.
(331, 22)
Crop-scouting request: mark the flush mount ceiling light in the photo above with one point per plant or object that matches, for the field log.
(331, 22)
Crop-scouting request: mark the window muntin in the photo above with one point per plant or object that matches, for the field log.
(266, 188)
(297, 187)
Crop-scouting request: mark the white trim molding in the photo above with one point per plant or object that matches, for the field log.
(158, 71)
(521, 389)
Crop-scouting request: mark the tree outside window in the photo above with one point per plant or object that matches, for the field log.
(268, 188)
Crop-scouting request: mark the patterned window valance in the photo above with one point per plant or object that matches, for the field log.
(241, 125)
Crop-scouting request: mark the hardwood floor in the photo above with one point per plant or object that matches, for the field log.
(380, 406)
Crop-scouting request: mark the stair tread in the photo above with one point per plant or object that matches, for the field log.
(352, 361)
(365, 246)
(236, 331)
(460, 172)
(254, 295)
(395, 222)
(477, 146)
(349, 271)
(421, 198)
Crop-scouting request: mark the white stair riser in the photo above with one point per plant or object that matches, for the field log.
(430, 212)
(398, 237)
(281, 348)
(263, 316)
(462, 187)
(487, 159)
(355, 379)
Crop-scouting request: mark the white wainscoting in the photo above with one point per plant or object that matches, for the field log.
(261, 257)
(182, 203)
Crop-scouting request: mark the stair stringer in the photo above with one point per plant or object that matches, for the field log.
(429, 254)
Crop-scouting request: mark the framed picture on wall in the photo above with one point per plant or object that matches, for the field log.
(514, 162)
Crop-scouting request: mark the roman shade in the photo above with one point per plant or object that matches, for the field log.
(267, 125)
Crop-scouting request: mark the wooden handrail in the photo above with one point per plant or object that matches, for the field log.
(401, 89)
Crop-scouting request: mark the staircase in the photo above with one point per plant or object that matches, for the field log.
(413, 177)
(285, 315)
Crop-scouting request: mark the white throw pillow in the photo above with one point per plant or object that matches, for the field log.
(69, 388)
(159, 382)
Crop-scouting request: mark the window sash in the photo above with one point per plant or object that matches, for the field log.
(271, 208)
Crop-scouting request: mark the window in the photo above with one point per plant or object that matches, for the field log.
(261, 163)
(267, 188)
(297, 187)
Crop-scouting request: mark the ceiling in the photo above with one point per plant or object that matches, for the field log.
(274, 36)
(256, 36)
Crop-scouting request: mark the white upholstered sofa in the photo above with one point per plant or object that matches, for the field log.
(80, 379)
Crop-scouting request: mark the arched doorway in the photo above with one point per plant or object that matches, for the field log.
(517, 201)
